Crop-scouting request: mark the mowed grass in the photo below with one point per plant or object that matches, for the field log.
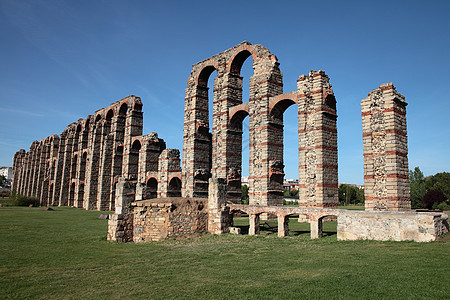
(63, 254)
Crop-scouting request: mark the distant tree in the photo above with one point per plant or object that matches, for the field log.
(2, 178)
(360, 198)
(432, 198)
(293, 193)
(417, 187)
(286, 193)
(439, 182)
(347, 194)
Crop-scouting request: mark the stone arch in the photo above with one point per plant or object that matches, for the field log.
(123, 109)
(98, 118)
(110, 114)
(205, 72)
(237, 114)
(279, 104)
(174, 188)
(152, 186)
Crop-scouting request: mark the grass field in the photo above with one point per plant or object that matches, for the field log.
(64, 254)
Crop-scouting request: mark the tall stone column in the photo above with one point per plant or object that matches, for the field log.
(168, 167)
(266, 151)
(386, 183)
(17, 167)
(318, 173)
(66, 167)
(92, 165)
(104, 184)
(118, 131)
(59, 162)
(81, 162)
(197, 142)
(133, 128)
(36, 156)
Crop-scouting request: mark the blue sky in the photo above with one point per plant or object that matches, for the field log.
(62, 60)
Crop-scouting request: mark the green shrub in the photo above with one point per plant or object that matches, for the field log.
(16, 199)
(442, 206)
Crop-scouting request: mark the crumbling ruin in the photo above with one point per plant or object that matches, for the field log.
(105, 163)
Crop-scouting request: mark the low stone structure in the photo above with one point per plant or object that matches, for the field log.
(391, 225)
(154, 219)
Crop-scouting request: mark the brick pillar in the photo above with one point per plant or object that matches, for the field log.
(36, 155)
(266, 151)
(92, 165)
(17, 167)
(318, 174)
(104, 184)
(386, 183)
(133, 128)
(118, 131)
(45, 173)
(41, 171)
(24, 172)
(59, 170)
(152, 146)
(66, 168)
(168, 170)
(219, 219)
(120, 225)
(82, 146)
(196, 142)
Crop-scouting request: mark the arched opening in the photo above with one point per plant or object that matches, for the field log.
(290, 149)
(109, 115)
(241, 70)
(174, 189)
(98, 118)
(80, 195)
(327, 225)
(237, 146)
(83, 166)
(152, 188)
(134, 159)
(123, 109)
(239, 222)
(285, 130)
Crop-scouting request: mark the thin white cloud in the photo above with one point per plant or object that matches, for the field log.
(22, 112)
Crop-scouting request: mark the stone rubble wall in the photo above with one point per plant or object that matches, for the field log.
(162, 218)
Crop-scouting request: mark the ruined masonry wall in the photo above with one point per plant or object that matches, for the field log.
(81, 166)
(157, 219)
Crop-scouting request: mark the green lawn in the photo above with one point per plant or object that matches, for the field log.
(64, 254)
